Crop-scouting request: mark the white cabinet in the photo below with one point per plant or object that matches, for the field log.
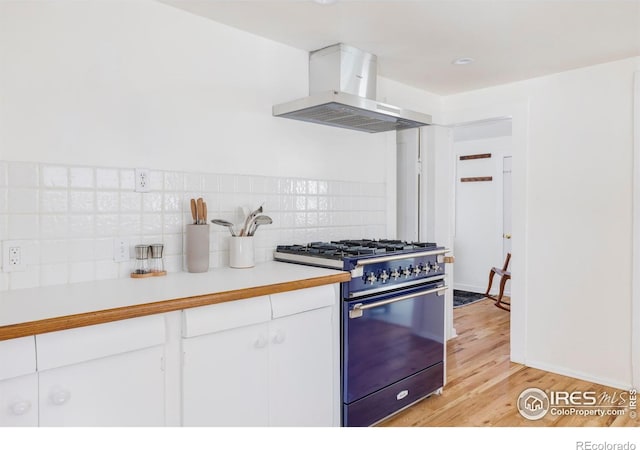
(300, 370)
(18, 383)
(103, 375)
(262, 361)
(224, 363)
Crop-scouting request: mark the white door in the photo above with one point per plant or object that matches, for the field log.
(301, 369)
(479, 204)
(225, 378)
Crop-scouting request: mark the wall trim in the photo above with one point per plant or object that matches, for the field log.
(577, 374)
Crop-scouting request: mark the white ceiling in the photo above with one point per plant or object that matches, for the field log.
(416, 41)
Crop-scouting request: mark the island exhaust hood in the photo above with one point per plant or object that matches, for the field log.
(342, 93)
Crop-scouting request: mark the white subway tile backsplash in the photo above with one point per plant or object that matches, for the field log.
(130, 202)
(82, 225)
(21, 174)
(81, 271)
(107, 178)
(22, 200)
(193, 182)
(130, 224)
(152, 202)
(127, 178)
(107, 201)
(81, 177)
(55, 176)
(107, 224)
(54, 251)
(54, 274)
(82, 201)
(81, 250)
(174, 181)
(151, 224)
(54, 201)
(156, 180)
(4, 181)
(22, 226)
(70, 215)
(211, 183)
(172, 202)
(172, 223)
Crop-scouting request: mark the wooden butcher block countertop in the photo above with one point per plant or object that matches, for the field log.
(25, 312)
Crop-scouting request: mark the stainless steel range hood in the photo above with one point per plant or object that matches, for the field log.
(342, 92)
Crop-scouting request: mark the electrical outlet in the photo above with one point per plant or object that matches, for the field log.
(12, 256)
(143, 180)
(120, 250)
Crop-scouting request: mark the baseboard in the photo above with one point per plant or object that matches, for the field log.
(470, 288)
(577, 374)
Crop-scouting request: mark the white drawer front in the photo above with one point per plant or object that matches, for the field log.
(62, 348)
(17, 357)
(294, 302)
(225, 316)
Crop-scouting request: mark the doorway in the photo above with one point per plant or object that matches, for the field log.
(482, 198)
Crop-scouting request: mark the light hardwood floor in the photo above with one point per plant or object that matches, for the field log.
(483, 385)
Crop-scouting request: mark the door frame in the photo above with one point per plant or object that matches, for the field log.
(519, 115)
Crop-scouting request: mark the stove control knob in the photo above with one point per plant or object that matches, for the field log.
(435, 267)
(384, 276)
(406, 272)
(372, 278)
(426, 268)
(417, 270)
(395, 273)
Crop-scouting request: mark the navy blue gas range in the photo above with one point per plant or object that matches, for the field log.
(392, 325)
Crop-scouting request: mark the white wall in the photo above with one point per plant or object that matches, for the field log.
(572, 216)
(138, 83)
(94, 85)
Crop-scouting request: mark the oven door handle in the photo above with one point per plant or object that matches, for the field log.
(358, 308)
(358, 270)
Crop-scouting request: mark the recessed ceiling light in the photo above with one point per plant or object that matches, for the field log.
(325, 2)
(462, 61)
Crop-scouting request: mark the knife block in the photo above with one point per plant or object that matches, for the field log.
(197, 248)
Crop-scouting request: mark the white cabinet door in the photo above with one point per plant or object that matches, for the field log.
(301, 369)
(19, 401)
(18, 383)
(224, 378)
(120, 390)
(103, 375)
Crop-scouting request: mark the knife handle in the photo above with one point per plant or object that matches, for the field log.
(204, 213)
(194, 211)
(199, 210)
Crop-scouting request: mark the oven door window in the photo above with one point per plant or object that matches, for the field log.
(392, 341)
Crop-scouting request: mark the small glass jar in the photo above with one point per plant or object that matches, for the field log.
(157, 262)
(142, 260)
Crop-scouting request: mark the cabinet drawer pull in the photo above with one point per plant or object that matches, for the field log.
(20, 408)
(261, 342)
(278, 337)
(402, 394)
(60, 397)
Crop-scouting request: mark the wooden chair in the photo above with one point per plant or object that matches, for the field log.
(505, 275)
